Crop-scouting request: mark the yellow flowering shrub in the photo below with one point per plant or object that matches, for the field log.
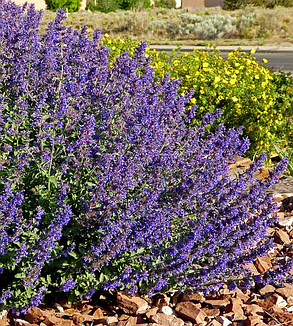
(249, 94)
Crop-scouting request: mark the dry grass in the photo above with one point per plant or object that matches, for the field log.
(253, 25)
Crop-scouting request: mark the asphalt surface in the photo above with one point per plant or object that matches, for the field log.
(279, 57)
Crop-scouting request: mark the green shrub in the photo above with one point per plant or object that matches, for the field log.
(68, 5)
(131, 4)
(236, 4)
(165, 4)
(103, 6)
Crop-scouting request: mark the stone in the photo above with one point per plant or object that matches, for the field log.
(285, 221)
(223, 321)
(267, 290)
(281, 303)
(166, 320)
(214, 323)
(234, 306)
(98, 313)
(285, 292)
(35, 315)
(152, 312)
(70, 311)
(21, 322)
(281, 237)
(131, 304)
(290, 301)
(78, 318)
(51, 320)
(218, 303)
(262, 264)
(189, 311)
(162, 301)
(131, 321)
(254, 309)
(167, 310)
(211, 312)
(252, 320)
(65, 323)
(241, 295)
(269, 301)
(58, 307)
(196, 297)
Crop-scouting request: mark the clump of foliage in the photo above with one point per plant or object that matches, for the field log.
(102, 5)
(103, 181)
(113, 5)
(165, 4)
(236, 4)
(69, 5)
(208, 27)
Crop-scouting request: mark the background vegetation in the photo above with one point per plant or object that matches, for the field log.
(160, 25)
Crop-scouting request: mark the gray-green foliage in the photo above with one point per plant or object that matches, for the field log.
(236, 4)
(207, 27)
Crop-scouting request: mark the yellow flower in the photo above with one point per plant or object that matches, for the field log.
(256, 76)
(232, 81)
(205, 65)
(265, 60)
(106, 35)
(193, 100)
(217, 79)
(234, 99)
(253, 51)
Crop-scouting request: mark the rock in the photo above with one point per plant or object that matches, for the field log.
(162, 301)
(253, 310)
(21, 322)
(218, 303)
(281, 237)
(167, 310)
(78, 319)
(269, 301)
(196, 297)
(65, 323)
(166, 320)
(189, 311)
(252, 320)
(51, 320)
(241, 295)
(267, 290)
(235, 306)
(262, 264)
(223, 321)
(285, 221)
(70, 311)
(286, 291)
(131, 304)
(214, 323)
(98, 313)
(131, 321)
(281, 303)
(211, 312)
(151, 312)
(58, 307)
(35, 315)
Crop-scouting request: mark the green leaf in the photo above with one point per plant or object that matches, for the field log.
(53, 180)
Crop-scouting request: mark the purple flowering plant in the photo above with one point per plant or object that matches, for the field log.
(104, 184)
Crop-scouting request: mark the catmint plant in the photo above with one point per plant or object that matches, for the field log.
(104, 182)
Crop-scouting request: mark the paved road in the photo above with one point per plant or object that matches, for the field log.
(280, 58)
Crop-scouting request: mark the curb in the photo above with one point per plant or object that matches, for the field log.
(259, 49)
